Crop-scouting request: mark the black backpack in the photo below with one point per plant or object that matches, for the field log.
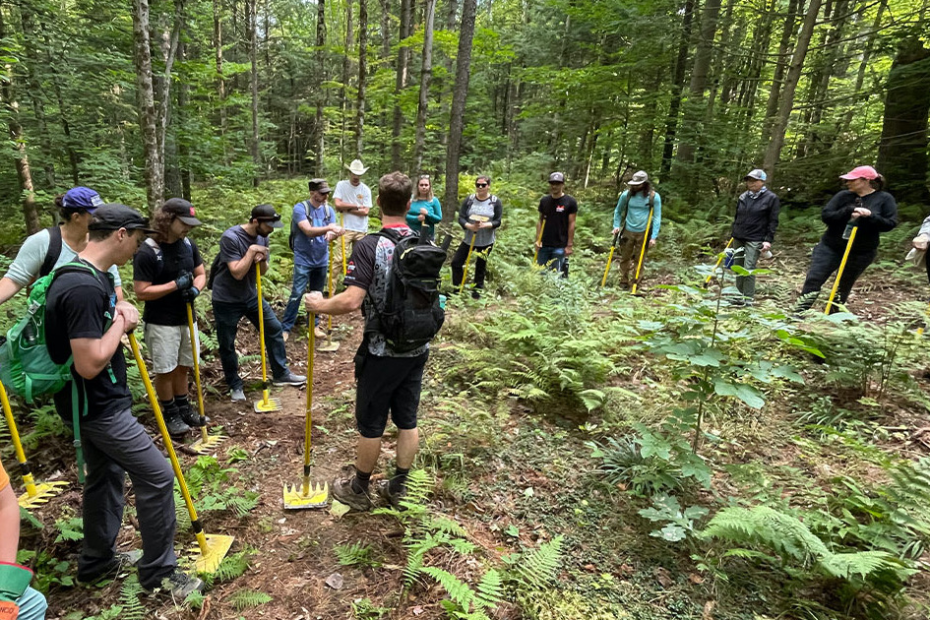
(54, 250)
(411, 315)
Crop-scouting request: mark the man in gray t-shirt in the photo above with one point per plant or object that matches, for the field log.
(235, 296)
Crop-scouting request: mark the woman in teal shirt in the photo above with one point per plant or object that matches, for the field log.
(424, 208)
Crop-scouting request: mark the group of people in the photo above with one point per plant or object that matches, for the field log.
(86, 317)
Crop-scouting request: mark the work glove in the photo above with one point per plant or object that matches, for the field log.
(184, 281)
(14, 579)
(190, 294)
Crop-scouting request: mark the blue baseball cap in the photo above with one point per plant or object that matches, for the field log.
(82, 198)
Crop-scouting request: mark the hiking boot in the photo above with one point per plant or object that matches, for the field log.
(625, 285)
(178, 585)
(120, 560)
(192, 418)
(291, 379)
(176, 426)
(343, 492)
(319, 332)
(237, 395)
(390, 498)
(476, 294)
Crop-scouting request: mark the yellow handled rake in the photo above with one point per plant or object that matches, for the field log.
(35, 494)
(212, 547)
(266, 404)
(206, 442)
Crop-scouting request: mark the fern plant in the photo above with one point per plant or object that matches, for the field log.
(246, 599)
(356, 554)
(535, 569)
(762, 529)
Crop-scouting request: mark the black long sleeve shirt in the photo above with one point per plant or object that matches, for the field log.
(837, 213)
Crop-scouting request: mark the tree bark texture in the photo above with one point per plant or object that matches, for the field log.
(459, 95)
(346, 77)
(699, 72)
(678, 84)
(253, 53)
(786, 99)
(319, 125)
(362, 77)
(154, 170)
(403, 56)
(902, 154)
(426, 76)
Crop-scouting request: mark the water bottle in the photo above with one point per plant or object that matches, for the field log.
(849, 228)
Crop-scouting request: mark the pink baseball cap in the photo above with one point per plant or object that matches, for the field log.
(861, 172)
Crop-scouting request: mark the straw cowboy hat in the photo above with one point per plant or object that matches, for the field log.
(356, 167)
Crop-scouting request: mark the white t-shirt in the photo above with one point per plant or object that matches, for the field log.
(28, 262)
(359, 195)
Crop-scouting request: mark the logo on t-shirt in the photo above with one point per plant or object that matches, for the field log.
(360, 197)
(560, 209)
(350, 267)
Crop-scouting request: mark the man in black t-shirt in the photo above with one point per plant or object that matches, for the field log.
(85, 322)
(168, 274)
(389, 382)
(557, 212)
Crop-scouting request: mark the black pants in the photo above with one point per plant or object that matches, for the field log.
(824, 261)
(481, 263)
(387, 385)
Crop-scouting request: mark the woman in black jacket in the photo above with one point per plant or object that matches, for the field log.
(862, 205)
(753, 228)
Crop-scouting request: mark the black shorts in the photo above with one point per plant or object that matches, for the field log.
(387, 384)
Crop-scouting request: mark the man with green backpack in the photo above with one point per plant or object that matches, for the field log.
(83, 326)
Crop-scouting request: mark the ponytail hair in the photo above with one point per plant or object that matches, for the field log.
(65, 214)
(878, 183)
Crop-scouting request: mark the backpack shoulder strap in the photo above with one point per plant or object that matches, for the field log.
(54, 250)
(390, 234)
(155, 247)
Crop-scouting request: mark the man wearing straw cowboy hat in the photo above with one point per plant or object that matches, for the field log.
(352, 200)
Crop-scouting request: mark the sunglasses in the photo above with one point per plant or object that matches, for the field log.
(481, 184)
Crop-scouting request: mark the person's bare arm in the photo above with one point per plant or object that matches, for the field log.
(146, 291)
(239, 268)
(91, 355)
(9, 525)
(345, 302)
(318, 231)
(571, 234)
(8, 288)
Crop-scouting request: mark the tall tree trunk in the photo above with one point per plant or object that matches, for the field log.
(786, 100)
(154, 170)
(699, 72)
(220, 80)
(184, 162)
(362, 76)
(318, 127)
(457, 120)
(863, 66)
(902, 154)
(23, 172)
(62, 107)
(400, 83)
(252, 18)
(678, 85)
(452, 7)
(346, 76)
(426, 76)
(778, 77)
(30, 47)
(385, 29)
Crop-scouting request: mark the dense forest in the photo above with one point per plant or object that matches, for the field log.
(585, 453)
(166, 95)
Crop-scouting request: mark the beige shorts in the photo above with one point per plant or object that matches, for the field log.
(169, 346)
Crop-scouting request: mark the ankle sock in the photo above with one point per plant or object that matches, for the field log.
(182, 403)
(399, 480)
(168, 408)
(361, 481)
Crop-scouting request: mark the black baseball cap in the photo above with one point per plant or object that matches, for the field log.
(266, 213)
(181, 209)
(114, 216)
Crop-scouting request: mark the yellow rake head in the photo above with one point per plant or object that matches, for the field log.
(41, 493)
(206, 442)
(306, 496)
(266, 404)
(329, 346)
(212, 549)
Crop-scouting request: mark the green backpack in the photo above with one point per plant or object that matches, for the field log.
(26, 367)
